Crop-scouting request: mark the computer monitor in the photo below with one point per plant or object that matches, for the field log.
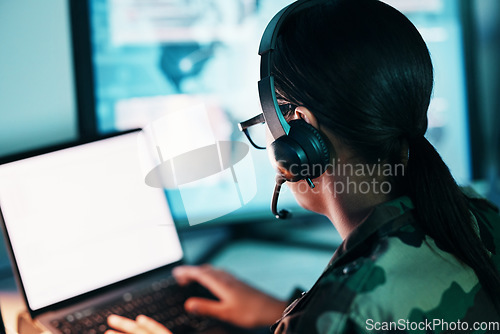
(38, 103)
(150, 58)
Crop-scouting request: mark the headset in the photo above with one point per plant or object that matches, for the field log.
(299, 149)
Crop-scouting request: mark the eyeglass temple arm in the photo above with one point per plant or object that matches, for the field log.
(252, 121)
(251, 141)
(243, 126)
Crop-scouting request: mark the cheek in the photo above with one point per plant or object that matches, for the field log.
(310, 199)
(298, 189)
(304, 195)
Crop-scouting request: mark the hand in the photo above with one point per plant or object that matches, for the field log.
(239, 303)
(141, 325)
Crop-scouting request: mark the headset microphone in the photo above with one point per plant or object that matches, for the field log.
(282, 214)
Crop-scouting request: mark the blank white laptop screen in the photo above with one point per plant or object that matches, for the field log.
(82, 218)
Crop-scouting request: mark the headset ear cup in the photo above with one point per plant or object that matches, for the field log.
(303, 153)
(289, 158)
(314, 143)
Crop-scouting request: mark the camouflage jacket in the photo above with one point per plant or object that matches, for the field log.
(389, 277)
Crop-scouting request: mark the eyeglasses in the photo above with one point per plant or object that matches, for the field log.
(255, 130)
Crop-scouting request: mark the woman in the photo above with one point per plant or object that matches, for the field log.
(418, 253)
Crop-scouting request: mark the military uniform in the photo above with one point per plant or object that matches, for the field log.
(389, 277)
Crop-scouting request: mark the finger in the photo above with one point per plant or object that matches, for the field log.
(151, 325)
(186, 274)
(214, 280)
(124, 324)
(183, 275)
(110, 331)
(202, 306)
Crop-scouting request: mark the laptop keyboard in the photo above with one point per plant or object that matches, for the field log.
(163, 301)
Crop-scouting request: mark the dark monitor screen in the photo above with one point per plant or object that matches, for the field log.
(154, 57)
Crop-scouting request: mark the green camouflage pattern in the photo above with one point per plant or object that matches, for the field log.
(388, 270)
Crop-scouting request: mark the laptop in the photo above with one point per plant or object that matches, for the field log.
(89, 238)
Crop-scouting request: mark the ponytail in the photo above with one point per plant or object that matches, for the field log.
(442, 211)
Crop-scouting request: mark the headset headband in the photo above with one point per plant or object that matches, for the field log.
(274, 118)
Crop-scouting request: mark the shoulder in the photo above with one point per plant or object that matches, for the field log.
(405, 278)
(414, 282)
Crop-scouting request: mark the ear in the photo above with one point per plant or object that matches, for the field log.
(304, 114)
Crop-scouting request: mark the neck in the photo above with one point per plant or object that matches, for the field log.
(348, 209)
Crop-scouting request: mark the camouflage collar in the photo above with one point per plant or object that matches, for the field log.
(385, 218)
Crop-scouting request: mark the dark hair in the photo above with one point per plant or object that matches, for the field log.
(365, 72)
